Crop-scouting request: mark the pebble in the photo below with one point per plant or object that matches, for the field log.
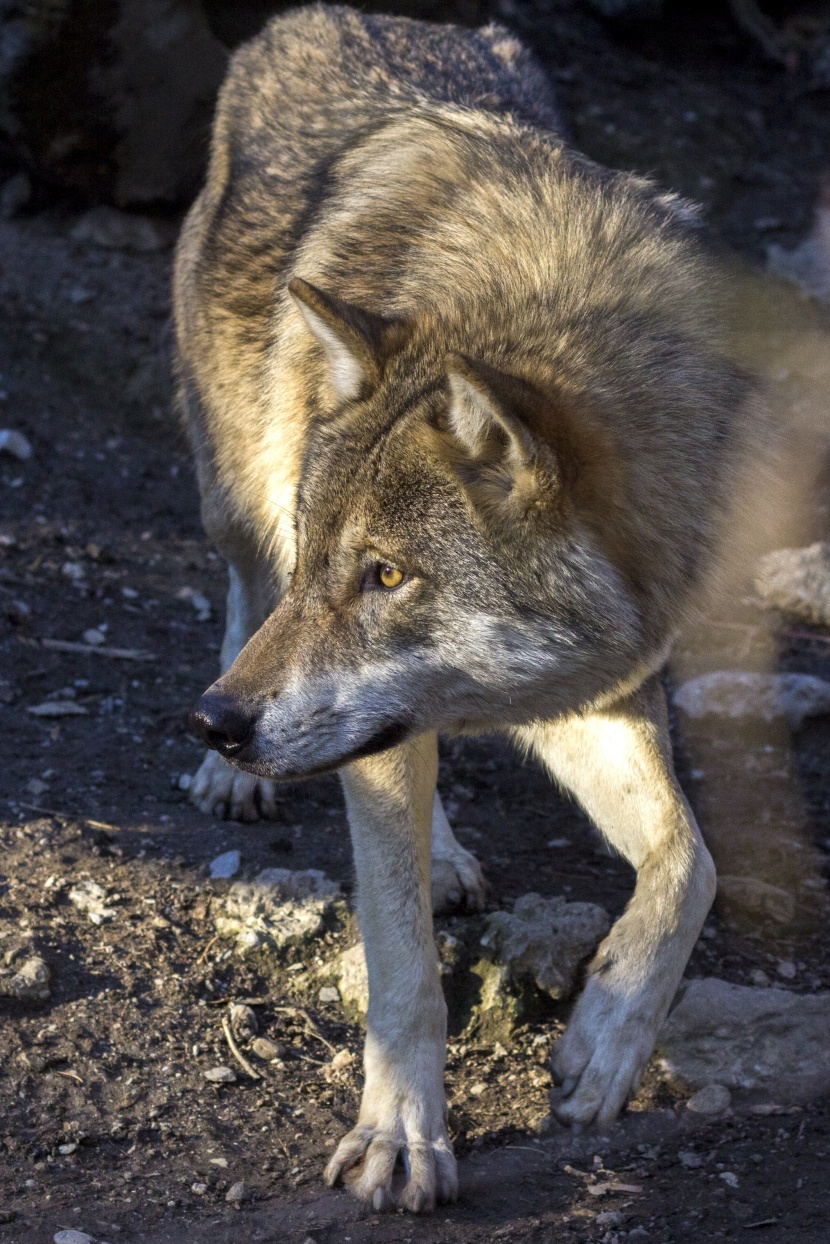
(610, 1218)
(94, 637)
(185, 781)
(236, 1194)
(244, 1022)
(199, 602)
(730, 1178)
(121, 231)
(15, 443)
(199, 1188)
(691, 1160)
(221, 1075)
(58, 708)
(713, 1099)
(343, 1058)
(329, 993)
(73, 1237)
(786, 969)
(29, 982)
(91, 897)
(266, 1049)
(225, 866)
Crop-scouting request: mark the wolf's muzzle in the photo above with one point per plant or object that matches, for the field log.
(223, 724)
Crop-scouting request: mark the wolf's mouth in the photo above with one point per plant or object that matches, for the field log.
(389, 735)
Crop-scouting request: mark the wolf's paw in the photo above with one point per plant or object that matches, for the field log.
(366, 1161)
(457, 880)
(598, 1062)
(218, 789)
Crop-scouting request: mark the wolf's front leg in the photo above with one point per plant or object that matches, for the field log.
(403, 1114)
(617, 762)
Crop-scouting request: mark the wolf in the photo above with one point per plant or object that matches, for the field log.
(465, 436)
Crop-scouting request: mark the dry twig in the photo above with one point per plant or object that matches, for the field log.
(237, 1053)
(100, 650)
(311, 1027)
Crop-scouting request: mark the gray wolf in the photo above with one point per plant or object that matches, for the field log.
(464, 435)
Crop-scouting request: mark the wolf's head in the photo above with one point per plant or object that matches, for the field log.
(465, 556)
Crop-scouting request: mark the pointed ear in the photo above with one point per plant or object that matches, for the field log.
(354, 341)
(480, 416)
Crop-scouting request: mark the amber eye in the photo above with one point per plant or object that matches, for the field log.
(390, 576)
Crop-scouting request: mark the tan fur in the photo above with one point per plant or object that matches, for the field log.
(414, 329)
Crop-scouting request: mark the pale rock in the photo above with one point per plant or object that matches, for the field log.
(328, 993)
(91, 897)
(266, 1049)
(220, 1075)
(353, 980)
(73, 1237)
(236, 1193)
(244, 1023)
(58, 708)
(24, 974)
(199, 602)
(713, 1099)
(94, 637)
(199, 1188)
(767, 697)
(225, 866)
(16, 444)
(545, 940)
(747, 1038)
(279, 908)
(121, 231)
(690, 1160)
(758, 897)
(797, 581)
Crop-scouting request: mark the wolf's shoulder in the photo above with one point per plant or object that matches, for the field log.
(398, 58)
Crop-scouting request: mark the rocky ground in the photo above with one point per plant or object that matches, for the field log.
(158, 1083)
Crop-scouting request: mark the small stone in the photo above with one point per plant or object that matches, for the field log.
(91, 897)
(758, 897)
(94, 637)
(545, 940)
(343, 1058)
(244, 1022)
(185, 781)
(15, 444)
(690, 1160)
(610, 1218)
(236, 1194)
(199, 602)
(786, 970)
(478, 1090)
(713, 1099)
(759, 977)
(220, 1075)
(729, 1178)
(58, 708)
(266, 1049)
(225, 866)
(73, 1237)
(69, 1148)
(328, 994)
(113, 230)
(28, 980)
(35, 787)
(199, 1188)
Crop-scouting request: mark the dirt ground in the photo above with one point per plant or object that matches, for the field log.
(107, 1124)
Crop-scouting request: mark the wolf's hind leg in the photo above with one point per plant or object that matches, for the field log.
(617, 762)
(457, 879)
(218, 788)
(389, 798)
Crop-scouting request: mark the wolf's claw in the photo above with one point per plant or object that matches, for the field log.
(219, 789)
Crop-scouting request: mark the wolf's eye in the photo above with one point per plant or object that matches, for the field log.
(390, 576)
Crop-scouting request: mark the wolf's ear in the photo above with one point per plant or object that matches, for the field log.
(480, 413)
(354, 341)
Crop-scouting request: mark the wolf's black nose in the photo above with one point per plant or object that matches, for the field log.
(223, 724)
